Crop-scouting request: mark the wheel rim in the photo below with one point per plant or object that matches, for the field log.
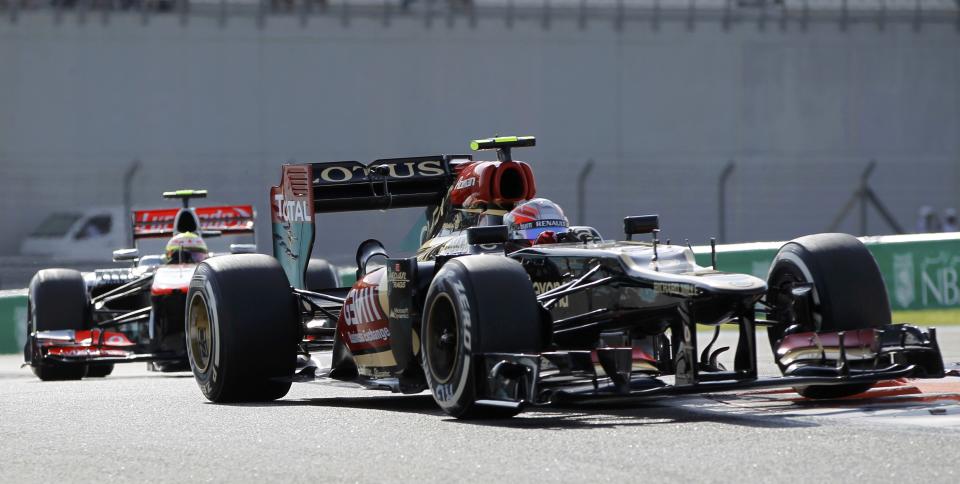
(802, 308)
(199, 333)
(442, 339)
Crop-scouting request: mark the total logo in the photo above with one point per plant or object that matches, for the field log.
(291, 210)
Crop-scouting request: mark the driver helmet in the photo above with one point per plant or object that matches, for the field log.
(535, 221)
(186, 248)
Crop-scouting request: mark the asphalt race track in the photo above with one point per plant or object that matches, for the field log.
(140, 426)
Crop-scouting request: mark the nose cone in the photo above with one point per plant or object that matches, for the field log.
(734, 283)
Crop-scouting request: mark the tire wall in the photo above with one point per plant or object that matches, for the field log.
(13, 318)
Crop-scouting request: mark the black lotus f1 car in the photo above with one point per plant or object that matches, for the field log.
(80, 324)
(489, 330)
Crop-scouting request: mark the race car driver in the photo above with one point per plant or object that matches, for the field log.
(186, 248)
(536, 221)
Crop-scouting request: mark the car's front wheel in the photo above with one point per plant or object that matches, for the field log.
(475, 305)
(848, 294)
(57, 301)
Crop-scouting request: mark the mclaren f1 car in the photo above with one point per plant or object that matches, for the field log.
(489, 326)
(80, 324)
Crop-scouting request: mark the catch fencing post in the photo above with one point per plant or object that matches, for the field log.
(582, 192)
(127, 190)
(722, 200)
(865, 195)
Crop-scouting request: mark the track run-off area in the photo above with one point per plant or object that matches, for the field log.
(137, 425)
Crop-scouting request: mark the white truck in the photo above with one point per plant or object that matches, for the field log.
(80, 235)
(92, 234)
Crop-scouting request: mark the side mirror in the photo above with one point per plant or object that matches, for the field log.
(641, 224)
(243, 248)
(126, 255)
(493, 234)
(583, 233)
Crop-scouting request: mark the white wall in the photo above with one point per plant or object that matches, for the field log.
(660, 111)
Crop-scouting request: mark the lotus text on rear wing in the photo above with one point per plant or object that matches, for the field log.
(406, 169)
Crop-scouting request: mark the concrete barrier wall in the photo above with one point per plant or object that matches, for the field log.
(660, 108)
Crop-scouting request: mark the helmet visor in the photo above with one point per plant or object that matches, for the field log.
(532, 229)
(186, 256)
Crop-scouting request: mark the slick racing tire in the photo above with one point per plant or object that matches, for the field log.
(476, 304)
(321, 275)
(57, 301)
(241, 327)
(99, 370)
(848, 294)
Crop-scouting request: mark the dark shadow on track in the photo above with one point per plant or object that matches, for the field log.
(172, 376)
(597, 416)
(592, 416)
(394, 403)
(148, 376)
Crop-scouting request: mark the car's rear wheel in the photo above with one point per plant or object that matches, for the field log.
(848, 294)
(242, 328)
(321, 275)
(57, 301)
(475, 305)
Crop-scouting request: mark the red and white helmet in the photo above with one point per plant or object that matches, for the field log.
(528, 220)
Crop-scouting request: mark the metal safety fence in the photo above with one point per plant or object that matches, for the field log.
(730, 13)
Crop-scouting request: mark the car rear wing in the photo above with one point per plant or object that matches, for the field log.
(217, 220)
(310, 188)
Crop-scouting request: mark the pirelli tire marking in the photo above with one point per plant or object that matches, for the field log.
(448, 394)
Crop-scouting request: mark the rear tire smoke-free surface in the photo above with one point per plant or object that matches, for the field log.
(57, 301)
(849, 293)
(476, 304)
(241, 328)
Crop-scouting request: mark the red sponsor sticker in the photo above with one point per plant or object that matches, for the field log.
(363, 323)
(225, 218)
